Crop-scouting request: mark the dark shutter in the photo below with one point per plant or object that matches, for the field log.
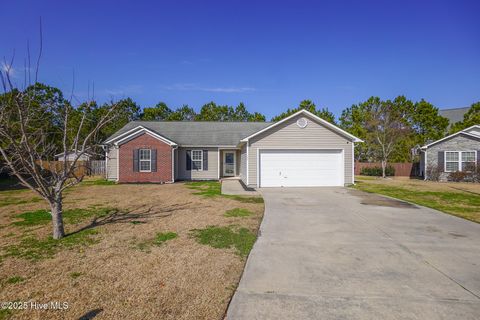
(441, 161)
(189, 160)
(205, 160)
(153, 160)
(135, 160)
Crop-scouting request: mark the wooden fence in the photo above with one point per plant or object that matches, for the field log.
(83, 168)
(406, 169)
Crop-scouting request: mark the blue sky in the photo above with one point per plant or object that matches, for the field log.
(267, 54)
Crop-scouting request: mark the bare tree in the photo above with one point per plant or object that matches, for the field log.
(386, 127)
(32, 133)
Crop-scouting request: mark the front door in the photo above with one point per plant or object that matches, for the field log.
(229, 164)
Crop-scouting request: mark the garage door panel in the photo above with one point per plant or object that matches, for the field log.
(297, 168)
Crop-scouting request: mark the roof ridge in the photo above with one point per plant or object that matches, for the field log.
(200, 121)
(453, 108)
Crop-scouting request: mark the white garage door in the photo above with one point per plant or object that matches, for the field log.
(301, 168)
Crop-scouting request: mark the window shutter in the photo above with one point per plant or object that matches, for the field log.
(189, 160)
(153, 160)
(205, 160)
(135, 160)
(441, 161)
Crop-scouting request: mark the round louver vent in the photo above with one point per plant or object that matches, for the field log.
(302, 122)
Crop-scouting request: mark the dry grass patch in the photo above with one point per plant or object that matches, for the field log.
(101, 272)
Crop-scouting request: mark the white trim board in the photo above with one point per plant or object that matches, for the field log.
(140, 130)
(451, 136)
(324, 122)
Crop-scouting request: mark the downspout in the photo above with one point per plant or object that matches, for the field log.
(105, 148)
(425, 165)
(173, 162)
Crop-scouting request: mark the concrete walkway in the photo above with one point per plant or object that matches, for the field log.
(234, 187)
(334, 253)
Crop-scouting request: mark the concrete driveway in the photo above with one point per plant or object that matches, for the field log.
(335, 253)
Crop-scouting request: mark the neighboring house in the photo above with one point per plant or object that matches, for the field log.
(71, 156)
(456, 152)
(453, 115)
(300, 150)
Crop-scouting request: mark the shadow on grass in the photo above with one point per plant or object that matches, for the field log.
(91, 314)
(137, 216)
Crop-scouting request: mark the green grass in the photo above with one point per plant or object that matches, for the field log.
(462, 204)
(7, 201)
(98, 182)
(238, 212)
(72, 216)
(15, 279)
(206, 188)
(75, 275)
(211, 189)
(159, 239)
(162, 237)
(33, 218)
(31, 248)
(226, 237)
(5, 314)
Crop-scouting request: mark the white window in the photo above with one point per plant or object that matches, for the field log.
(451, 161)
(197, 160)
(469, 160)
(460, 160)
(145, 160)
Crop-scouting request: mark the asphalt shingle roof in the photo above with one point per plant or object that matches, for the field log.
(201, 133)
(454, 115)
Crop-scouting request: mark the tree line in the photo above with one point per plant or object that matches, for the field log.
(391, 129)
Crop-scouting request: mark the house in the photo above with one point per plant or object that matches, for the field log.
(457, 152)
(71, 156)
(453, 115)
(300, 150)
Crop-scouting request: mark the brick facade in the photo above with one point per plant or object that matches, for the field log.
(164, 160)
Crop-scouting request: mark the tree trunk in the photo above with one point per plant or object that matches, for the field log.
(384, 166)
(57, 219)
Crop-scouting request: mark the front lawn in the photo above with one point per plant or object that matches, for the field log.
(459, 199)
(133, 251)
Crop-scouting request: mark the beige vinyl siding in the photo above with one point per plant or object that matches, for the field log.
(288, 135)
(112, 163)
(210, 174)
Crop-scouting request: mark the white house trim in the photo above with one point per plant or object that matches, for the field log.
(324, 122)
(146, 131)
(210, 146)
(453, 135)
(353, 163)
(137, 130)
(118, 164)
(248, 161)
(125, 133)
(460, 159)
(173, 163)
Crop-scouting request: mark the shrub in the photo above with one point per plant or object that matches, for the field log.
(377, 171)
(458, 176)
(433, 173)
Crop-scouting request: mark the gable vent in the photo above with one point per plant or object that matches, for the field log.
(302, 122)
